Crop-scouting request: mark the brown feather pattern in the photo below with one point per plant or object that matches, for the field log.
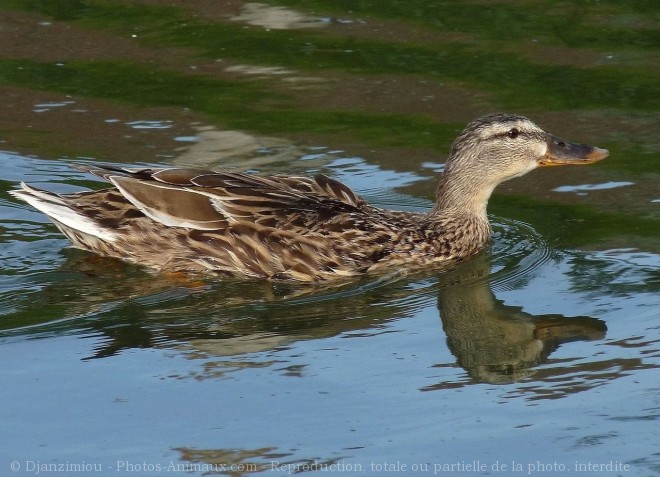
(278, 227)
(291, 227)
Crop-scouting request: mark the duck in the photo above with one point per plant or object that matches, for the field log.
(305, 229)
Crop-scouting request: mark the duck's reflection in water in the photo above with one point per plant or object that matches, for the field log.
(498, 343)
(225, 327)
(125, 308)
(493, 342)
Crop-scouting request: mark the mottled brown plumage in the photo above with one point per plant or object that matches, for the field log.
(299, 228)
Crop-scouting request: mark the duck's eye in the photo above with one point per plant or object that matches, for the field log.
(513, 133)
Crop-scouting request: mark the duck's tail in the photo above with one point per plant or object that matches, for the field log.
(62, 213)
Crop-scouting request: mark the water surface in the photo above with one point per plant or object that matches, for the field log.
(540, 355)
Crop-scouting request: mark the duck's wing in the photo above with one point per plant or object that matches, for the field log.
(205, 200)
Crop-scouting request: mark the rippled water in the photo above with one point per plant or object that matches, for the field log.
(539, 356)
(555, 350)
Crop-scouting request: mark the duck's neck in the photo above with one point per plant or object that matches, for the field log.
(460, 217)
(462, 196)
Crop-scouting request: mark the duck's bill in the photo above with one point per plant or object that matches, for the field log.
(564, 153)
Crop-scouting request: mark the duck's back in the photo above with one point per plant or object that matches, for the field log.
(269, 227)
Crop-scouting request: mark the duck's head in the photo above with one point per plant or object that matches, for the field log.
(498, 147)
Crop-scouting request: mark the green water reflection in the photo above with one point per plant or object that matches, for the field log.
(493, 342)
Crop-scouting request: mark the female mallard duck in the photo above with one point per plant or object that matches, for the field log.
(299, 228)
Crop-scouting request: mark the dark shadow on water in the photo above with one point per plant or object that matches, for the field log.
(495, 342)
(124, 307)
